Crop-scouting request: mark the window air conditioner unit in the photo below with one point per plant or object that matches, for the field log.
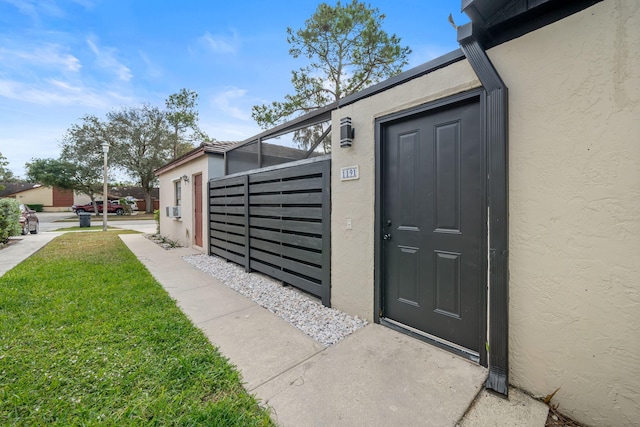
(173, 211)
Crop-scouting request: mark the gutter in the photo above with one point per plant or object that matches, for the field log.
(496, 134)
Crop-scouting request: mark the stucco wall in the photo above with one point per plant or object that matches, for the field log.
(40, 195)
(574, 198)
(352, 257)
(182, 229)
(574, 162)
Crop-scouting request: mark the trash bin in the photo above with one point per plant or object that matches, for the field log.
(85, 219)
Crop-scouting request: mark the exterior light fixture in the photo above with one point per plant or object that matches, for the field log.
(185, 178)
(346, 132)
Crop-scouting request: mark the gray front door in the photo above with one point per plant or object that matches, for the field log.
(432, 224)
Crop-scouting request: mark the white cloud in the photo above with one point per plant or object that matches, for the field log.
(106, 58)
(153, 70)
(225, 130)
(221, 44)
(225, 101)
(34, 8)
(87, 4)
(53, 92)
(50, 56)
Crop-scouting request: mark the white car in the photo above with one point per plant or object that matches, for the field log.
(131, 203)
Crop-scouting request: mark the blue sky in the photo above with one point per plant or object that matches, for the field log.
(62, 59)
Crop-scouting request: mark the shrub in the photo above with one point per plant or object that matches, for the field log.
(9, 219)
(126, 206)
(38, 207)
(156, 216)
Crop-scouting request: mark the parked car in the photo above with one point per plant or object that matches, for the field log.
(132, 204)
(29, 222)
(111, 208)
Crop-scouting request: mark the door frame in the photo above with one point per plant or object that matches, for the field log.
(424, 109)
(198, 201)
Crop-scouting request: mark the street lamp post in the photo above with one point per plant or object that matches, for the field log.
(105, 198)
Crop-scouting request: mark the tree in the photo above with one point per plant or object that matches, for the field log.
(348, 51)
(182, 117)
(141, 144)
(81, 160)
(5, 173)
(9, 219)
(53, 173)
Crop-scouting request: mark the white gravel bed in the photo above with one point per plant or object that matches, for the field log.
(323, 324)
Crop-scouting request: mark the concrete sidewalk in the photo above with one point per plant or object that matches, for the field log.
(374, 377)
(22, 248)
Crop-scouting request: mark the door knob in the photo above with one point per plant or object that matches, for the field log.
(386, 236)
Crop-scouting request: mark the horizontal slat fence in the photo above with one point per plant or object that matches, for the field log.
(276, 221)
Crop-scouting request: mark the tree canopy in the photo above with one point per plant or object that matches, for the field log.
(141, 144)
(141, 139)
(79, 167)
(182, 117)
(347, 51)
(5, 173)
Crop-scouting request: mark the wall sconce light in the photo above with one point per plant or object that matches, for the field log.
(185, 178)
(346, 132)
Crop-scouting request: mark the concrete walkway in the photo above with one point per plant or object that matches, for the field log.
(374, 377)
(22, 248)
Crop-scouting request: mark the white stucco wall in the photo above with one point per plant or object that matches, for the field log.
(574, 179)
(352, 257)
(182, 230)
(574, 204)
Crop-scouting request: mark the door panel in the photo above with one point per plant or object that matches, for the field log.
(432, 210)
(197, 201)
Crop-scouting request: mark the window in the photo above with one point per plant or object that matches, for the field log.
(178, 192)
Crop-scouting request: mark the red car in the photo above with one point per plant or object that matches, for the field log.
(111, 208)
(29, 222)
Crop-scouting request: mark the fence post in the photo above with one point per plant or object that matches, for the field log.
(247, 259)
(326, 233)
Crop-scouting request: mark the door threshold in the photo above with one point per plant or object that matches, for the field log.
(433, 340)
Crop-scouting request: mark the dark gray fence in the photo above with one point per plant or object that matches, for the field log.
(277, 221)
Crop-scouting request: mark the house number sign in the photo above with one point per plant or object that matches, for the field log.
(349, 173)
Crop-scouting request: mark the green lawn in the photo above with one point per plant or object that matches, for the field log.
(88, 337)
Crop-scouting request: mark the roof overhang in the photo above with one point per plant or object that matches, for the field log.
(502, 20)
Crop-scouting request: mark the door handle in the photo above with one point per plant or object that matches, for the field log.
(386, 236)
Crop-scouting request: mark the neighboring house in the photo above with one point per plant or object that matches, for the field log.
(53, 199)
(57, 200)
(489, 201)
(183, 186)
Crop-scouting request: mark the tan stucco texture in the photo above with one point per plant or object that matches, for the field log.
(574, 204)
(352, 258)
(182, 230)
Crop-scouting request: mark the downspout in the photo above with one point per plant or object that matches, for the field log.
(496, 133)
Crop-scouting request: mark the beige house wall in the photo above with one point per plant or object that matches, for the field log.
(41, 195)
(352, 257)
(574, 203)
(44, 195)
(182, 230)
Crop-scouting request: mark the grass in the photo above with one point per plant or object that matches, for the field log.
(91, 228)
(88, 337)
